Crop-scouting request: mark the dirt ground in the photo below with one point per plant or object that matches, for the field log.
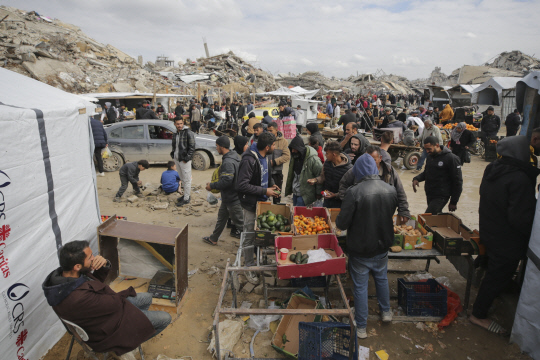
(188, 335)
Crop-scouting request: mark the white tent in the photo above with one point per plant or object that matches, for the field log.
(497, 91)
(48, 197)
(296, 92)
(528, 102)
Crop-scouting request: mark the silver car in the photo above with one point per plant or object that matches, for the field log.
(152, 140)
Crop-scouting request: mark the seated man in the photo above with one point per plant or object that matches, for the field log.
(117, 322)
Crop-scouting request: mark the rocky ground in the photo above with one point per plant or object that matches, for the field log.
(188, 336)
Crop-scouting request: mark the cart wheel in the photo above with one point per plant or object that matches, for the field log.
(411, 160)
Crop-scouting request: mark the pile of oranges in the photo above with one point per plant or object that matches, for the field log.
(451, 126)
(310, 226)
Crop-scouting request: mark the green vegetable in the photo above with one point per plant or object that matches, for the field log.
(264, 218)
(298, 257)
(285, 222)
(292, 257)
(305, 257)
(271, 218)
(259, 223)
(304, 261)
(287, 228)
(279, 224)
(264, 225)
(280, 228)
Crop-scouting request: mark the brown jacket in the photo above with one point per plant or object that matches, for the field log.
(110, 320)
(281, 154)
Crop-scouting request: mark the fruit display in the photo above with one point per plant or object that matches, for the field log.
(451, 126)
(311, 226)
(298, 258)
(492, 141)
(407, 230)
(471, 128)
(274, 223)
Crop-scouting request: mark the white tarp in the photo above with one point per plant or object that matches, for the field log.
(295, 92)
(528, 108)
(526, 329)
(48, 197)
(496, 83)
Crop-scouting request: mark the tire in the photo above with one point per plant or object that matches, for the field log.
(200, 160)
(113, 163)
(411, 160)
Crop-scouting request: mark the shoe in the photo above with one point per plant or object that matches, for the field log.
(182, 202)
(181, 198)
(252, 277)
(387, 316)
(100, 174)
(139, 195)
(361, 333)
(117, 199)
(230, 224)
(236, 232)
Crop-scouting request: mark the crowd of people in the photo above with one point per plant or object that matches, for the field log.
(351, 174)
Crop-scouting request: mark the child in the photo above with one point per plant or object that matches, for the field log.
(130, 173)
(170, 180)
(314, 143)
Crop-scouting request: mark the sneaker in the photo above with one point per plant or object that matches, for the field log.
(100, 174)
(387, 316)
(236, 232)
(361, 333)
(230, 224)
(117, 199)
(252, 277)
(182, 202)
(181, 198)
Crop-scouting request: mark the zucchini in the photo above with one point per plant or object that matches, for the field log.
(304, 261)
(259, 223)
(287, 229)
(285, 222)
(298, 257)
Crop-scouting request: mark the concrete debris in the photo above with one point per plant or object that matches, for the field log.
(43, 48)
(515, 61)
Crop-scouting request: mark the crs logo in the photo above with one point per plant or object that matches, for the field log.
(4, 179)
(16, 293)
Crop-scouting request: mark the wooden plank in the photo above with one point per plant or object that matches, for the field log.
(140, 232)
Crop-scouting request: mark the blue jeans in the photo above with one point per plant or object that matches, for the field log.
(159, 319)
(421, 161)
(360, 268)
(298, 201)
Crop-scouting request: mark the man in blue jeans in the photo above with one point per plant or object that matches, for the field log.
(366, 214)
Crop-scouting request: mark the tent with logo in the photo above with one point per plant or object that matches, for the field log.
(48, 197)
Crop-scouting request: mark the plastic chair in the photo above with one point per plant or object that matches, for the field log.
(79, 335)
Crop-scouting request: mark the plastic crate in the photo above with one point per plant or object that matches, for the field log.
(311, 282)
(427, 298)
(325, 340)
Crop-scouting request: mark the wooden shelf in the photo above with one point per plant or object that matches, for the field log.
(140, 232)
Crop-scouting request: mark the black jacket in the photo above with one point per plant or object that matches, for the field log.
(241, 111)
(442, 176)
(467, 139)
(98, 132)
(249, 180)
(366, 213)
(186, 145)
(131, 171)
(139, 113)
(513, 121)
(333, 174)
(233, 110)
(149, 114)
(347, 118)
(507, 206)
(179, 111)
(490, 124)
(228, 175)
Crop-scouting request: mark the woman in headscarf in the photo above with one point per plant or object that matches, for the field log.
(313, 129)
(461, 139)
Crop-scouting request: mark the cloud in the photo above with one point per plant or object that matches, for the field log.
(295, 36)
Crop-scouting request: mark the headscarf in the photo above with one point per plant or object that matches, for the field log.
(239, 143)
(312, 128)
(108, 104)
(364, 166)
(457, 135)
(297, 143)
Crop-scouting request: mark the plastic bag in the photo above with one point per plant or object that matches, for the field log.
(106, 153)
(318, 256)
(318, 203)
(262, 322)
(212, 200)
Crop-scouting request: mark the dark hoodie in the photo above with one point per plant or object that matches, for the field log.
(507, 199)
(303, 167)
(442, 175)
(110, 320)
(228, 175)
(251, 177)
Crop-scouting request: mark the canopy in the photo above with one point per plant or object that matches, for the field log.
(295, 92)
(485, 93)
(48, 198)
(528, 102)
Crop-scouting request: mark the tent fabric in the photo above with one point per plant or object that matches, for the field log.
(498, 84)
(526, 329)
(531, 80)
(48, 197)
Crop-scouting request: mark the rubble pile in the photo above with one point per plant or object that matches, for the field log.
(313, 80)
(62, 56)
(515, 61)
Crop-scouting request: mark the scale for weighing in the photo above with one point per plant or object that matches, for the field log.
(162, 285)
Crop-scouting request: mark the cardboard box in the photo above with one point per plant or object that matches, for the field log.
(287, 269)
(288, 326)
(312, 212)
(333, 216)
(265, 237)
(472, 241)
(407, 242)
(451, 237)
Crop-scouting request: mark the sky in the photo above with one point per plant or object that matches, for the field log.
(337, 38)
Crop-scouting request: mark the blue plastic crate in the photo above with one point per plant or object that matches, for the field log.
(325, 340)
(427, 298)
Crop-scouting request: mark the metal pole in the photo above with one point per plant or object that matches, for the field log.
(218, 308)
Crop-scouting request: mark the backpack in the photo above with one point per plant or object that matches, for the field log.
(215, 179)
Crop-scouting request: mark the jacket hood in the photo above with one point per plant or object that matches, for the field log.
(447, 107)
(363, 142)
(516, 147)
(313, 128)
(297, 143)
(364, 166)
(232, 155)
(386, 158)
(344, 159)
(57, 288)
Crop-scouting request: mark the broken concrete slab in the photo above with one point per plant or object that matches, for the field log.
(160, 206)
(248, 288)
(42, 69)
(132, 198)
